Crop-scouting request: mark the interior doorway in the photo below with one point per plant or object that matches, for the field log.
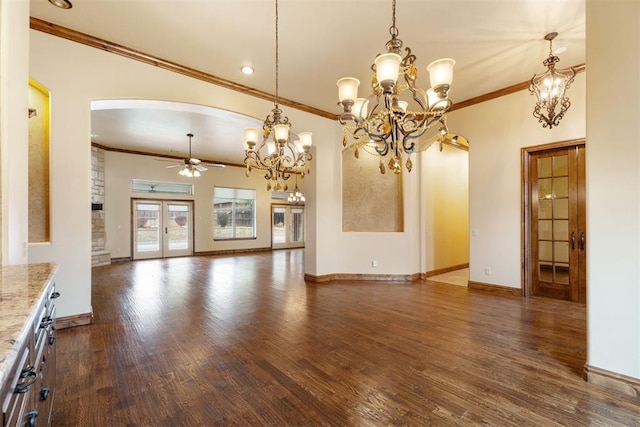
(555, 221)
(287, 226)
(162, 228)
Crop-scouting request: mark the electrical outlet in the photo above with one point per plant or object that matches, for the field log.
(487, 271)
(374, 264)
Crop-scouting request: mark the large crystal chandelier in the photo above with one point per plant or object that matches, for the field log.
(277, 154)
(550, 87)
(396, 113)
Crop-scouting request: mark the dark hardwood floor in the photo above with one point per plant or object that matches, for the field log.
(243, 340)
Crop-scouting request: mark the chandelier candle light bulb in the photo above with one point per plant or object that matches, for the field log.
(387, 70)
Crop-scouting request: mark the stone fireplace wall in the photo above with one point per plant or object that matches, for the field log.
(99, 256)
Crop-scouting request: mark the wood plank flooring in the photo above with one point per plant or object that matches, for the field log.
(242, 340)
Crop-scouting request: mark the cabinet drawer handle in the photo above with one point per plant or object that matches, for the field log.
(52, 337)
(28, 377)
(31, 418)
(46, 321)
(55, 295)
(44, 393)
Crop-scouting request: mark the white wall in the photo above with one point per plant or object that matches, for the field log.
(613, 186)
(497, 130)
(14, 129)
(75, 75)
(121, 168)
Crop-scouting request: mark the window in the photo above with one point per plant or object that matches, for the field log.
(234, 213)
(141, 186)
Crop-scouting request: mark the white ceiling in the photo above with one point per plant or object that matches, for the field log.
(496, 44)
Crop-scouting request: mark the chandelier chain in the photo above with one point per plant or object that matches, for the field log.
(277, 67)
(393, 30)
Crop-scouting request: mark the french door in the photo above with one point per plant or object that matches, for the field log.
(162, 228)
(287, 226)
(557, 227)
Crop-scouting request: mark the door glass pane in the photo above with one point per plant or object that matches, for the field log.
(545, 188)
(561, 252)
(545, 273)
(544, 167)
(147, 227)
(545, 252)
(561, 208)
(178, 227)
(544, 209)
(277, 226)
(562, 274)
(560, 165)
(561, 187)
(561, 229)
(297, 225)
(544, 230)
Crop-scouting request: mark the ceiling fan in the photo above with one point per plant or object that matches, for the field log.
(191, 166)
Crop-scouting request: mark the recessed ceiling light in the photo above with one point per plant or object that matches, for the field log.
(247, 70)
(62, 4)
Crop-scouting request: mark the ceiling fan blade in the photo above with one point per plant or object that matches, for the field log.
(214, 165)
(201, 168)
(173, 166)
(194, 161)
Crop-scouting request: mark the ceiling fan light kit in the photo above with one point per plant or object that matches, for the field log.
(385, 123)
(191, 167)
(277, 154)
(550, 89)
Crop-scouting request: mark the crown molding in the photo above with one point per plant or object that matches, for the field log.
(98, 43)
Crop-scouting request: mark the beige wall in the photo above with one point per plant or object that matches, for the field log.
(613, 186)
(445, 206)
(497, 130)
(14, 129)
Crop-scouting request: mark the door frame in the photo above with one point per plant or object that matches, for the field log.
(526, 238)
(163, 203)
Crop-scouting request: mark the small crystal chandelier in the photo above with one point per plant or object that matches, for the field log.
(550, 87)
(277, 154)
(390, 124)
(296, 197)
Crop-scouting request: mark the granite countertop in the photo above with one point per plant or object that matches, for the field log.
(21, 292)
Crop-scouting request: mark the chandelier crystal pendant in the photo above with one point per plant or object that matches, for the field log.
(550, 88)
(397, 112)
(277, 155)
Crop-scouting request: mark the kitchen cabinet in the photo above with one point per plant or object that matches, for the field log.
(27, 343)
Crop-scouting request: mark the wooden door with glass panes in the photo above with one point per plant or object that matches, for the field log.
(558, 226)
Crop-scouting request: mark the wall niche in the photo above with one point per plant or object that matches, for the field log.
(371, 201)
(38, 163)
